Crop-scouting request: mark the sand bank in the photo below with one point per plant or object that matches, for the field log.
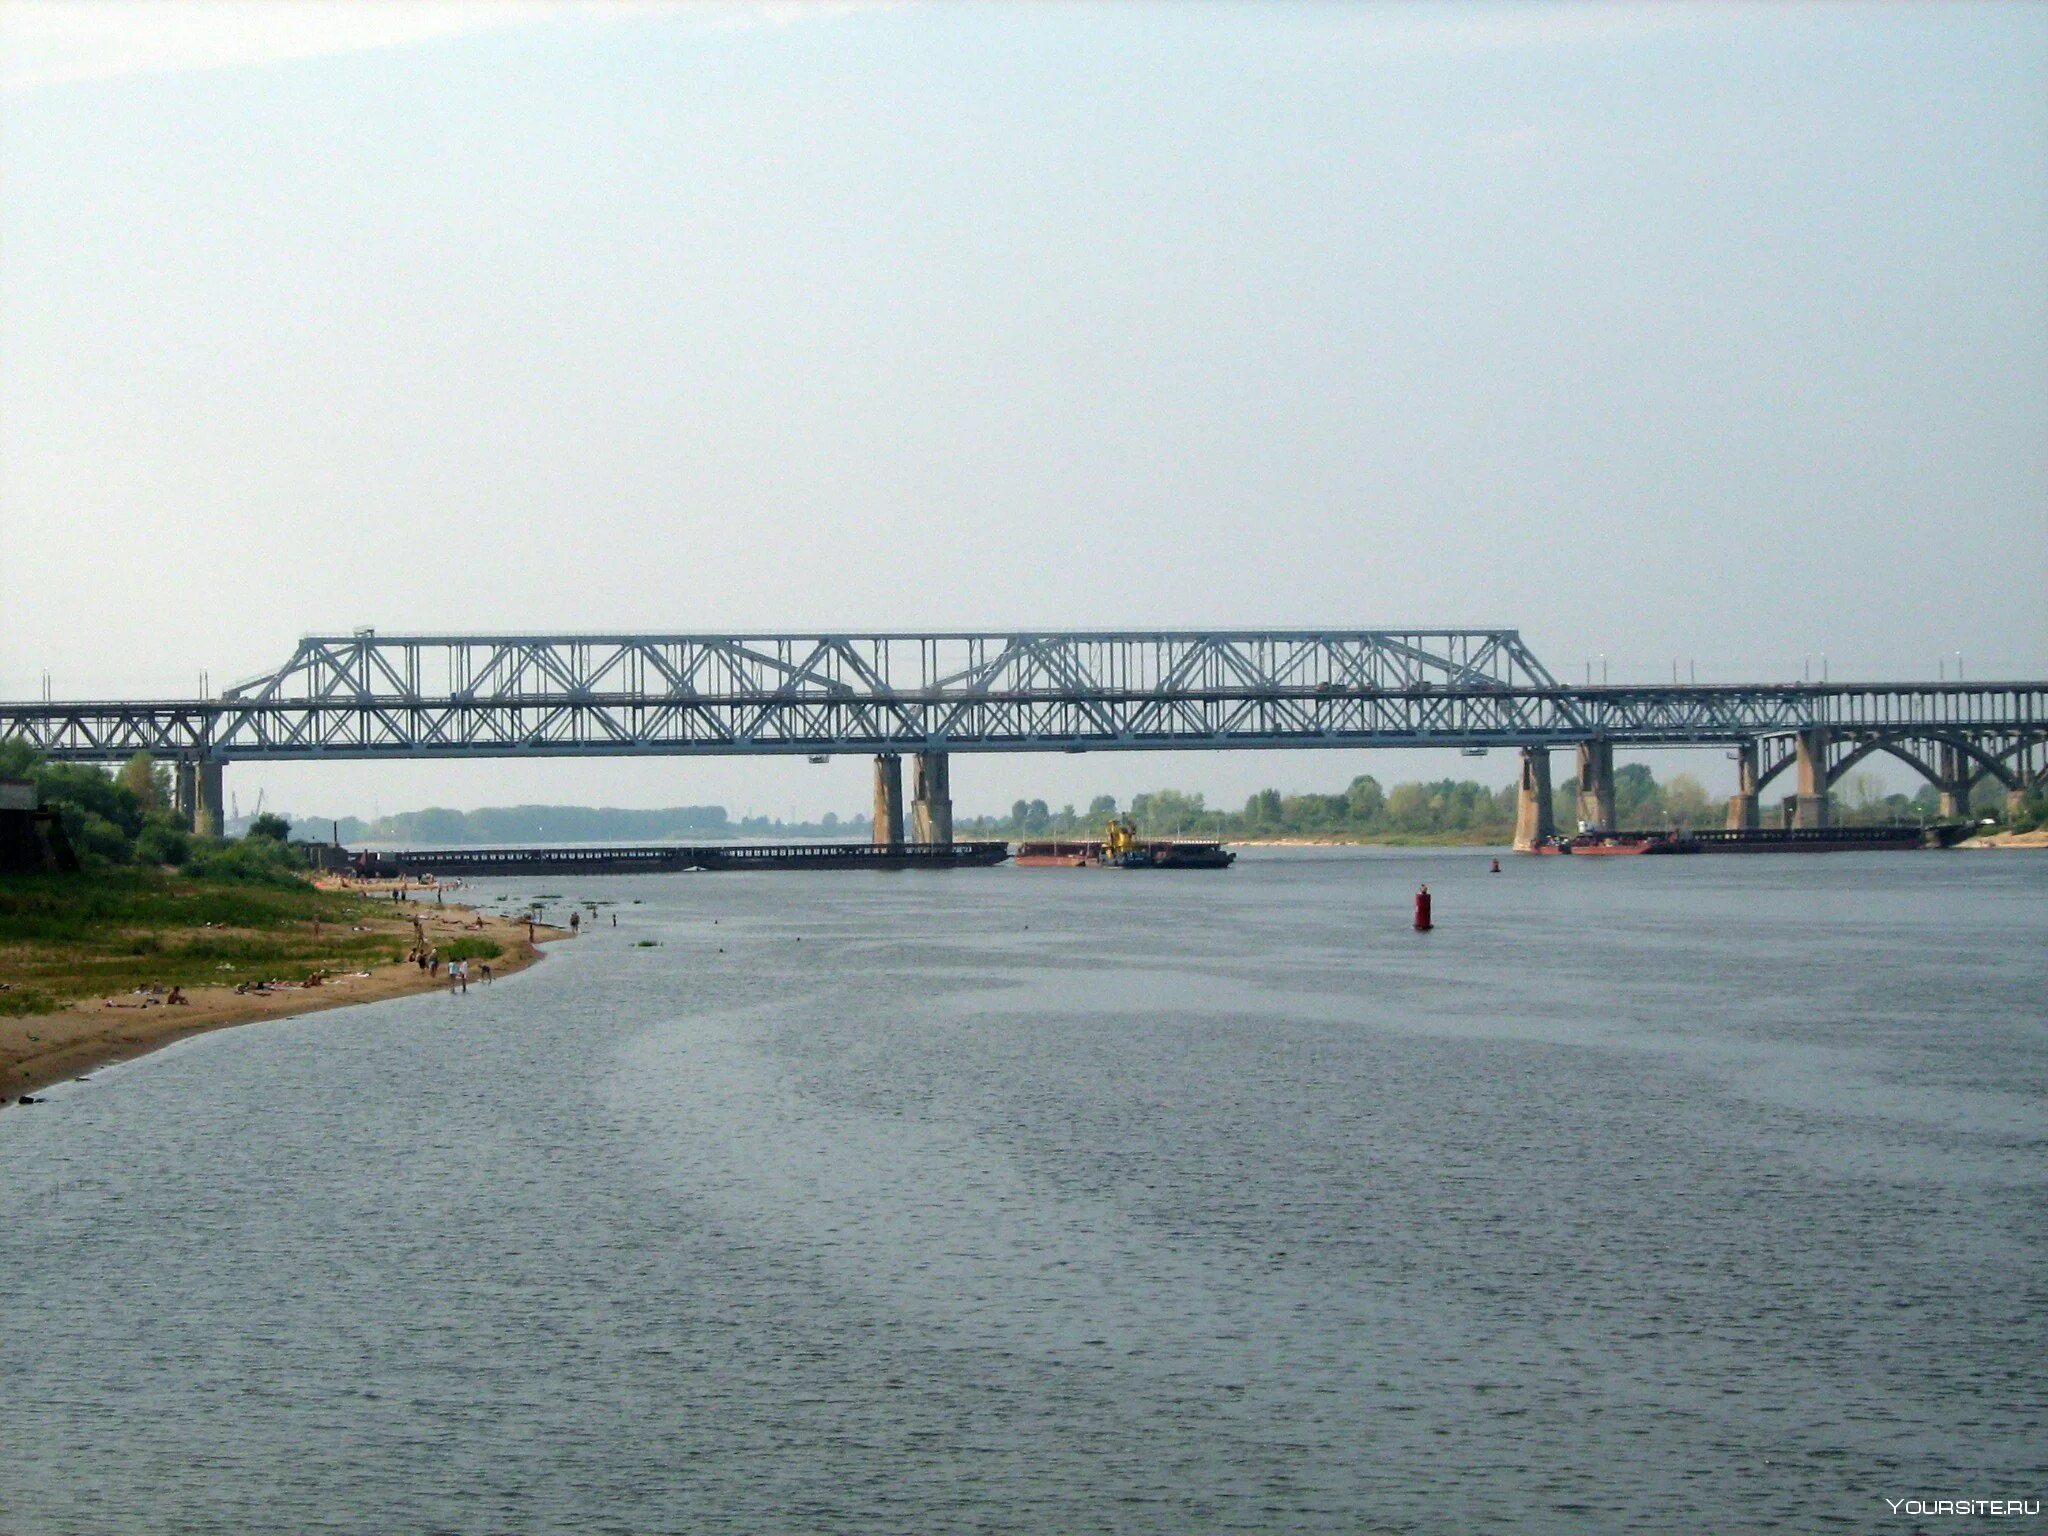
(2009, 840)
(46, 1048)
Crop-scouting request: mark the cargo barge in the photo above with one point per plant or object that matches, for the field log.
(669, 858)
(1887, 837)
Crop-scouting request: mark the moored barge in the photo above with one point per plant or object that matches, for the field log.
(669, 858)
(1890, 836)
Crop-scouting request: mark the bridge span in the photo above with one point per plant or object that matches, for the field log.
(374, 696)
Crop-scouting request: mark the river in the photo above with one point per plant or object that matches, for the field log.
(1643, 1195)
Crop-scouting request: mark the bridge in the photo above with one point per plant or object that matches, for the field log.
(371, 696)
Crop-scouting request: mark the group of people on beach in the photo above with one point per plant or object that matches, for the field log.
(151, 997)
(428, 959)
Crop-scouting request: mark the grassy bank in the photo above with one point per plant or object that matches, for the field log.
(65, 937)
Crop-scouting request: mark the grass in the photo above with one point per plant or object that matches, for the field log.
(64, 937)
(472, 949)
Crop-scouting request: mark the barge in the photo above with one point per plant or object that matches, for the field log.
(668, 858)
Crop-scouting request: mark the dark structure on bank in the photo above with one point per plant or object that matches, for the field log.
(32, 840)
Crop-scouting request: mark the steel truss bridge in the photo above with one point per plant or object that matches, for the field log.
(372, 696)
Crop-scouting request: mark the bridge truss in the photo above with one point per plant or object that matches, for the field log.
(369, 696)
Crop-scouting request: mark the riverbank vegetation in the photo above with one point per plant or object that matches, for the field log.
(111, 930)
(127, 820)
(154, 906)
(1443, 811)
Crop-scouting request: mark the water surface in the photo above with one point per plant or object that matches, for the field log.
(1643, 1195)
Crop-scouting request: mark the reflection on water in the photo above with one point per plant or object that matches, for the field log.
(1670, 1195)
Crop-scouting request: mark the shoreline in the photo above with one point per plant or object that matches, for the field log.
(38, 1050)
(2036, 839)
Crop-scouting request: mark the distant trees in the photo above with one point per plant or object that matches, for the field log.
(1365, 801)
(147, 781)
(1446, 809)
(1265, 810)
(1687, 804)
(272, 826)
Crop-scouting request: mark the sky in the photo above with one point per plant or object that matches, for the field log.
(1714, 336)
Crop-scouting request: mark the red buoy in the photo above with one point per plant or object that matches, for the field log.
(1422, 922)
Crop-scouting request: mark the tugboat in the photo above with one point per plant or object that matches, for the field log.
(1122, 848)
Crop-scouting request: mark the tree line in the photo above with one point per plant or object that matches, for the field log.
(127, 818)
(1442, 809)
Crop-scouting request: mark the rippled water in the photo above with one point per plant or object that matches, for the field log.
(1643, 1195)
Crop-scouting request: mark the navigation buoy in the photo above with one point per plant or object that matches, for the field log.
(1422, 922)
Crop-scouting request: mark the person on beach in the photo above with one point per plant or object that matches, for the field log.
(575, 922)
(487, 973)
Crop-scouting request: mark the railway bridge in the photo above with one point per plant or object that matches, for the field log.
(367, 695)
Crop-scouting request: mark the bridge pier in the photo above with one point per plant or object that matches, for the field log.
(888, 828)
(209, 813)
(184, 793)
(1535, 818)
(1742, 805)
(1954, 784)
(931, 808)
(1596, 784)
(1810, 806)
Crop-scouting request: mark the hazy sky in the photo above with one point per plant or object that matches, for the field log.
(1717, 334)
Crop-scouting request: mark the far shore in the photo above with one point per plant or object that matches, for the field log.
(2035, 839)
(37, 1050)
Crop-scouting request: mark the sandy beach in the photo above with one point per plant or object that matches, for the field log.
(40, 1049)
(2036, 839)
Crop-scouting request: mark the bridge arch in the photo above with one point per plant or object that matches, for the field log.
(1973, 762)
(2024, 773)
(1897, 749)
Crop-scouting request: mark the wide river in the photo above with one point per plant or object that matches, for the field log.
(1644, 1195)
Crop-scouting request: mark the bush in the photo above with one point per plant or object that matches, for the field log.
(160, 844)
(272, 826)
(259, 862)
(97, 839)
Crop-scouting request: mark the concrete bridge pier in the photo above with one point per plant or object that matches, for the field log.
(1810, 805)
(889, 799)
(1596, 784)
(209, 808)
(1742, 805)
(931, 806)
(1535, 820)
(184, 792)
(1954, 784)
